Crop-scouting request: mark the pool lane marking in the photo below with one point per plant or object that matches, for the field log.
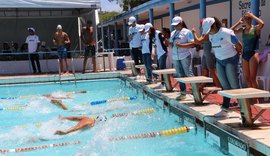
(13, 108)
(168, 132)
(27, 149)
(139, 112)
(113, 100)
(29, 96)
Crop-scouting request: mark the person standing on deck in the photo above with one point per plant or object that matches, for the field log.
(181, 41)
(135, 40)
(227, 48)
(60, 39)
(33, 43)
(208, 58)
(87, 36)
(250, 37)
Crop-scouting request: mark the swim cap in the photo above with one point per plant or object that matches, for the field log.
(101, 118)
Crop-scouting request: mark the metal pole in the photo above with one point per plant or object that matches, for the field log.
(202, 9)
(151, 16)
(171, 14)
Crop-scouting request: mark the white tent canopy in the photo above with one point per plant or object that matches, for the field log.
(44, 15)
(49, 3)
(47, 8)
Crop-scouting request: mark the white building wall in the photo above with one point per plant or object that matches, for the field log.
(221, 11)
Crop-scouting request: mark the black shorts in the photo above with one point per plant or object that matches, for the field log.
(90, 51)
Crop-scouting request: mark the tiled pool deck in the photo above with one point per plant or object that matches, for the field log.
(257, 137)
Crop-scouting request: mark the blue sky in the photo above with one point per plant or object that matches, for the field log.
(109, 6)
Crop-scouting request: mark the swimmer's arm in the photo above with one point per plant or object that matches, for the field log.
(59, 103)
(67, 40)
(72, 129)
(73, 118)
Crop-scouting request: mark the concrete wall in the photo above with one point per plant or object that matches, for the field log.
(48, 66)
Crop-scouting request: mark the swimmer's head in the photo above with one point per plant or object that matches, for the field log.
(101, 118)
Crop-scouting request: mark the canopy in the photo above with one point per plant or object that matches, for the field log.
(38, 8)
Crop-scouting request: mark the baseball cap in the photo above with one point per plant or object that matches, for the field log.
(131, 20)
(142, 28)
(147, 26)
(176, 20)
(31, 28)
(206, 25)
(59, 27)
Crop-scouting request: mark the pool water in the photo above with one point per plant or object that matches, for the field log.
(37, 120)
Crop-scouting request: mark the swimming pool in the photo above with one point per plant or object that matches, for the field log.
(32, 120)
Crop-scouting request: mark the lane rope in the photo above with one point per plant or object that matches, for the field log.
(113, 100)
(27, 149)
(162, 133)
(139, 112)
(29, 96)
(12, 108)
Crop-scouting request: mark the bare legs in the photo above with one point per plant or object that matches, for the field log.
(250, 69)
(62, 66)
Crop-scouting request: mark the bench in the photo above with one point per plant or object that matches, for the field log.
(195, 81)
(166, 75)
(244, 95)
(131, 63)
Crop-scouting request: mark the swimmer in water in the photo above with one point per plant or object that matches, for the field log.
(51, 96)
(84, 122)
(59, 103)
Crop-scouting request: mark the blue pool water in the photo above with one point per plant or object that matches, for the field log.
(18, 128)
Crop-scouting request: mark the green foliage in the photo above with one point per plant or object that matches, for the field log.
(126, 3)
(105, 16)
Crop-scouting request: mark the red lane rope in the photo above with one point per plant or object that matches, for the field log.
(27, 149)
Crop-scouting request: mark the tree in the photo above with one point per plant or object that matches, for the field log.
(128, 4)
(105, 16)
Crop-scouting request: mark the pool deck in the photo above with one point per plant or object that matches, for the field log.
(257, 137)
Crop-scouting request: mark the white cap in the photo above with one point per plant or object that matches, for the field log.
(147, 26)
(31, 28)
(59, 27)
(131, 20)
(142, 28)
(206, 25)
(176, 20)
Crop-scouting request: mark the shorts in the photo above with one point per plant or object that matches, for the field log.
(62, 52)
(90, 51)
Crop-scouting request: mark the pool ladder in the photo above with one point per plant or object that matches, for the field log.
(67, 77)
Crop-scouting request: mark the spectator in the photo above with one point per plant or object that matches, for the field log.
(33, 43)
(87, 37)
(135, 40)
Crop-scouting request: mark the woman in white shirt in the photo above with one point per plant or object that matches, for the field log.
(182, 41)
(146, 51)
(227, 48)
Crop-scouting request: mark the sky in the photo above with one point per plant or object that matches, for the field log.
(110, 6)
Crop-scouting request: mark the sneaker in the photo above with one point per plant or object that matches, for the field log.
(181, 97)
(222, 113)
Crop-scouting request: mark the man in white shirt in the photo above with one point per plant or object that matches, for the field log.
(135, 40)
(33, 42)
